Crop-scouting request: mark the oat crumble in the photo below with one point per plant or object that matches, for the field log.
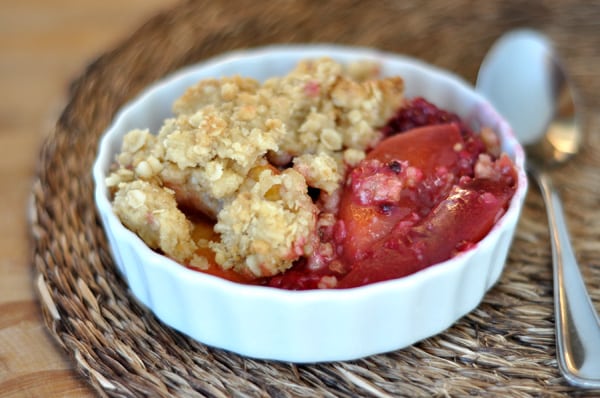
(247, 154)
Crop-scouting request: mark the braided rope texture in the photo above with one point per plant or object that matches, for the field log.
(504, 347)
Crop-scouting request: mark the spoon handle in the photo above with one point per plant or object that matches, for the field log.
(577, 324)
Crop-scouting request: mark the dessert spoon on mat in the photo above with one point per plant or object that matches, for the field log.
(523, 78)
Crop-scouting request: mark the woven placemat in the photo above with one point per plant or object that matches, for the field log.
(505, 347)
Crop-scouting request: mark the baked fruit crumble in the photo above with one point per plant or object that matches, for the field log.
(324, 178)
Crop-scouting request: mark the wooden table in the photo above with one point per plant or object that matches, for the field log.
(43, 46)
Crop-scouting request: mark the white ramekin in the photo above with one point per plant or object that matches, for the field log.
(317, 325)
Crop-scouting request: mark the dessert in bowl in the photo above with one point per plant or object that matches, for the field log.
(310, 203)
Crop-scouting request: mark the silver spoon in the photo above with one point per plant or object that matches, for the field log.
(523, 79)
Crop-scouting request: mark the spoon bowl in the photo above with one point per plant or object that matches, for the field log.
(522, 77)
(525, 81)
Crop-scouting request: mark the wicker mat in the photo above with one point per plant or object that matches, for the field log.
(505, 347)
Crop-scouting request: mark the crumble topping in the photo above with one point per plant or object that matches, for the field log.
(151, 212)
(248, 155)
